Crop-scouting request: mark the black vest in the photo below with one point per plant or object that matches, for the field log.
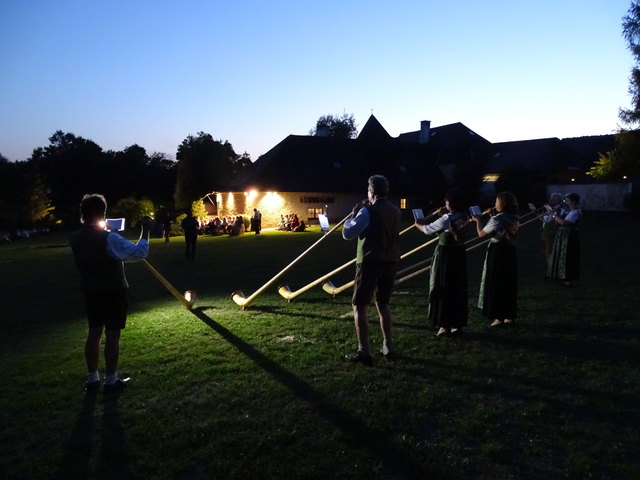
(380, 242)
(98, 271)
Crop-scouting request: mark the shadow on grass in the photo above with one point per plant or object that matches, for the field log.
(395, 461)
(287, 312)
(77, 450)
(577, 402)
(581, 347)
(114, 461)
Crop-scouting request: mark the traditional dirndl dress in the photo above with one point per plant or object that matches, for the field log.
(498, 296)
(565, 256)
(448, 283)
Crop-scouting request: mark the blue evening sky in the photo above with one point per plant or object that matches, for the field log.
(252, 72)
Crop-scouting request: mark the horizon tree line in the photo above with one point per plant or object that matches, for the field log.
(46, 188)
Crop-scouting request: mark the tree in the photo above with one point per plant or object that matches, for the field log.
(336, 126)
(624, 159)
(204, 164)
(161, 173)
(621, 162)
(125, 173)
(70, 167)
(133, 209)
(24, 198)
(198, 209)
(631, 33)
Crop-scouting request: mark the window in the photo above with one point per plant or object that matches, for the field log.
(491, 177)
(317, 200)
(314, 212)
(403, 203)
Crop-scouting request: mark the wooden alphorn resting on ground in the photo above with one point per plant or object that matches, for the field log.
(333, 290)
(179, 296)
(286, 292)
(239, 297)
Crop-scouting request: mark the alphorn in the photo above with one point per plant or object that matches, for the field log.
(331, 289)
(286, 292)
(168, 286)
(239, 297)
(426, 269)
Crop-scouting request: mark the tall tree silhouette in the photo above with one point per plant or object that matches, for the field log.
(204, 164)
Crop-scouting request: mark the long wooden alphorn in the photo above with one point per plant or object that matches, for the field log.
(239, 297)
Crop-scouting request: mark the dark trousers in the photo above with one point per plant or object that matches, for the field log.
(190, 246)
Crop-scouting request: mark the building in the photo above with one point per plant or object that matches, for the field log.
(309, 175)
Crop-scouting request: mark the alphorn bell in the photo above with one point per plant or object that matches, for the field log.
(239, 297)
(286, 292)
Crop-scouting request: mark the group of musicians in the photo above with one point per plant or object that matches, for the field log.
(376, 222)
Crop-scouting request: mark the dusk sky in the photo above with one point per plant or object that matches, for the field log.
(253, 72)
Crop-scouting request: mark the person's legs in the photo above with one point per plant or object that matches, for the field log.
(363, 355)
(112, 350)
(190, 246)
(362, 327)
(386, 325)
(92, 349)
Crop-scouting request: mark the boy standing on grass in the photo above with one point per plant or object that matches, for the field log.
(99, 256)
(376, 224)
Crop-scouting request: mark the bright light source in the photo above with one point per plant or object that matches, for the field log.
(102, 224)
(251, 194)
(272, 201)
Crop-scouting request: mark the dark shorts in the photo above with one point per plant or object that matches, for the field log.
(107, 309)
(373, 278)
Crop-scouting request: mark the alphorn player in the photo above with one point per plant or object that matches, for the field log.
(99, 256)
(498, 296)
(376, 225)
(448, 280)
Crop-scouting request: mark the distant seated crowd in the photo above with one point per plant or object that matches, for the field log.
(7, 236)
(291, 223)
(223, 226)
(235, 225)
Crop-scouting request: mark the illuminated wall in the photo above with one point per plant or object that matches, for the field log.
(274, 204)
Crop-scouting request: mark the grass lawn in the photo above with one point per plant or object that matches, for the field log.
(225, 393)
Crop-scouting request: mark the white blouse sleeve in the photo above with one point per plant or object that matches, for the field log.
(434, 227)
(573, 216)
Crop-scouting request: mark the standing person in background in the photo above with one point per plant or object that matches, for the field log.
(190, 227)
(448, 279)
(549, 225)
(565, 256)
(99, 256)
(166, 225)
(256, 221)
(376, 225)
(499, 287)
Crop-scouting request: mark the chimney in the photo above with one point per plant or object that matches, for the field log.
(425, 131)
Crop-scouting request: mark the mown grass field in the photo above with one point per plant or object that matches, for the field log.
(264, 393)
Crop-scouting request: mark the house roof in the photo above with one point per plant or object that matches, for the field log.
(373, 131)
(330, 164)
(538, 154)
(452, 143)
(590, 147)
